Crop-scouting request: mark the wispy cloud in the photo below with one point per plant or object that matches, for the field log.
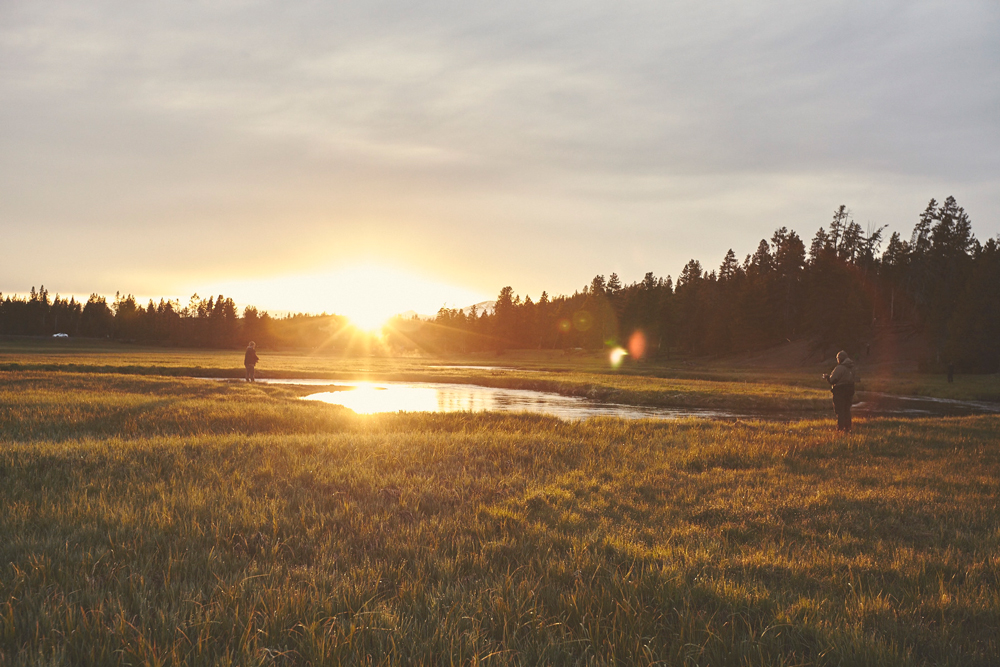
(494, 144)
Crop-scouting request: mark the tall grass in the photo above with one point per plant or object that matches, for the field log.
(153, 521)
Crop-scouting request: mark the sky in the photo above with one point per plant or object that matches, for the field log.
(314, 156)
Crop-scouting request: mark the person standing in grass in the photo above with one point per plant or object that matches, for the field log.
(250, 360)
(842, 385)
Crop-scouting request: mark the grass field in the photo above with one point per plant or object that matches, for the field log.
(677, 384)
(153, 520)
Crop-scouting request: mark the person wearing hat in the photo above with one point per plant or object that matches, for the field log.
(841, 381)
(250, 360)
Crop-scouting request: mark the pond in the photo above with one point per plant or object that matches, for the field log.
(374, 397)
(494, 370)
(871, 403)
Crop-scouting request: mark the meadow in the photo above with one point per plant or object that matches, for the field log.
(680, 383)
(154, 519)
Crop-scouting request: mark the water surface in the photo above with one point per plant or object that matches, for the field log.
(375, 397)
(872, 403)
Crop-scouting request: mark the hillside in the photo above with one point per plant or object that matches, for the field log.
(896, 348)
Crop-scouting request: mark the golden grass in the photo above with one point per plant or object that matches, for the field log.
(623, 387)
(152, 520)
(679, 383)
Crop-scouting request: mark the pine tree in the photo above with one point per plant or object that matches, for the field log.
(614, 284)
(503, 316)
(729, 267)
(841, 219)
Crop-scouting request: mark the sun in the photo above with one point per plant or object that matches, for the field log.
(368, 295)
(370, 321)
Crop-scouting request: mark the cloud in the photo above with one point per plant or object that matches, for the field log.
(482, 140)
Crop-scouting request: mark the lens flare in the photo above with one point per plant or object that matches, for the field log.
(637, 345)
(617, 355)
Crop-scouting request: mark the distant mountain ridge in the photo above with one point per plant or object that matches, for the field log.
(481, 307)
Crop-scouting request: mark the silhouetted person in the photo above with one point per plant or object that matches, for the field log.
(842, 385)
(951, 373)
(250, 360)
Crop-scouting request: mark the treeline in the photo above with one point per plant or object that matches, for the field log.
(212, 322)
(837, 290)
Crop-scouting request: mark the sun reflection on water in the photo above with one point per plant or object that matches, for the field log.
(366, 398)
(370, 398)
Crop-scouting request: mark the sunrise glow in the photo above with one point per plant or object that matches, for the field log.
(367, 294)
(368, 322)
